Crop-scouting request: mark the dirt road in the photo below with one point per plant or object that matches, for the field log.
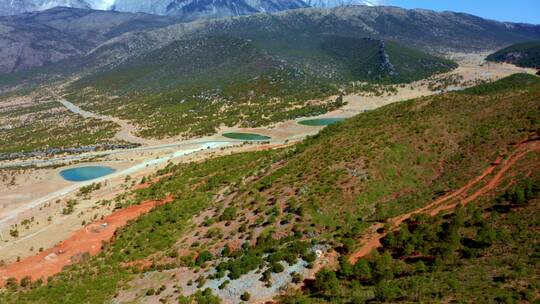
(127, 130)
(373, 235)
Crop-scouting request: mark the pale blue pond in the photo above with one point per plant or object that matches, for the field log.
(82, 174)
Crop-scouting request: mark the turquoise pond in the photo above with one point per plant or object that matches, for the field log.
(82, 174)
(245, 136)
(321, 121)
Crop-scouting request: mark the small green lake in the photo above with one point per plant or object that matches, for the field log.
(321, 121)
(246, 136)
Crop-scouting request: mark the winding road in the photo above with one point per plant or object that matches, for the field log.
(127, 130)
(373, 235)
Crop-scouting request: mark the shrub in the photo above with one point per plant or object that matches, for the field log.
(245, 296)
(277, 267)
(224, 284)
(326, 283)
(11, 283)
(296, 278)
(214, 232)
(150, 292)
(387, 291)
(14, 232)
(362, 270)
(200, 297)
(228, 214)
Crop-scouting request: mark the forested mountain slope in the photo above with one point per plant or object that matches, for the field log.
(522, 54)
(414, 28)
(194, 86)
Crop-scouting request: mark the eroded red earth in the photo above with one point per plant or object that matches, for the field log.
(87, 240)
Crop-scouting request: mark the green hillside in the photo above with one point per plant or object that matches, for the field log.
(485, 253)
(327, 191)
(193, 86)
(521, 54)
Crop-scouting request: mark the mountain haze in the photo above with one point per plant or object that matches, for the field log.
(187, 9)
(35, 39)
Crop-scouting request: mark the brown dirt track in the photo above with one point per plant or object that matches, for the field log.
(372, 238)
(86, 240)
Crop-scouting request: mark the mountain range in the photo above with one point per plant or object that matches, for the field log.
(189, 9)
(84, 35)
(40, 38)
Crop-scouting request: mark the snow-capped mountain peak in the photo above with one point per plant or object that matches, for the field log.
(191, 9)
(335, 3)
(102, 4)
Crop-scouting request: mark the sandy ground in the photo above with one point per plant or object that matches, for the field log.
(38, 190)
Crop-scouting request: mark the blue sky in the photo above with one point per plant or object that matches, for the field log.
(514, 10)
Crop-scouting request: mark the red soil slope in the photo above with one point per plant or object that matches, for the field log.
(86, 240)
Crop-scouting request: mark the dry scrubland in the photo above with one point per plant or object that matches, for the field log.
(31, 184)
(35, 122)
(426, 192)
(245, 216)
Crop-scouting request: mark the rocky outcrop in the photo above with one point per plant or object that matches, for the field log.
(386, 66)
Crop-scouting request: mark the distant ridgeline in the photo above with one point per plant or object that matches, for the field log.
(521, 54)
(220, 60)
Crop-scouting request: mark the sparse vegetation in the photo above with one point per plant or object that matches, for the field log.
(47, 126)
(86, 190)
(327, 190)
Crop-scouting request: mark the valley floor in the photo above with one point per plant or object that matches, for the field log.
(39, 194)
